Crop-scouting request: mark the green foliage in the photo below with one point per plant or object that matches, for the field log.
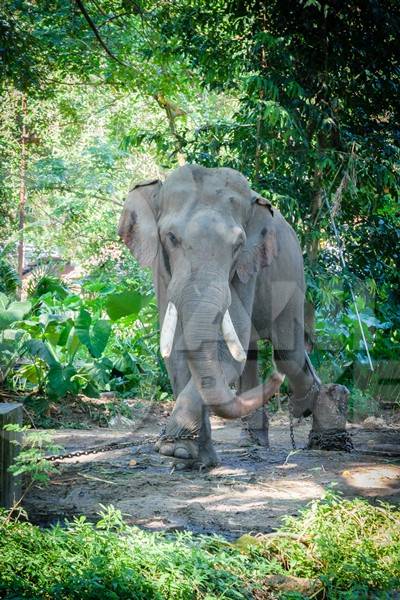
(303, 102)
(340, 347)
(351, 546)
(348, 544)
(10, 311)
(60, 343)
(12, 337)
(112, 560)
(9, 280)
(30, 461)
(125, 303)
(362, 405)
(43, 282)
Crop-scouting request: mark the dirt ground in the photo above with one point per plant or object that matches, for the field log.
(249, 492)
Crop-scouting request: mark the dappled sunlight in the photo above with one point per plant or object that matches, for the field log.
(372, 480)
(250, 497)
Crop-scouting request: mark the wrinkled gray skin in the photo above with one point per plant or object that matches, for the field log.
(212, 245)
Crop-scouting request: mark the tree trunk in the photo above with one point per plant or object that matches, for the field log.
(22, 193)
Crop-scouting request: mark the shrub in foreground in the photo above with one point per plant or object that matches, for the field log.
(347, 544)
(351, 547)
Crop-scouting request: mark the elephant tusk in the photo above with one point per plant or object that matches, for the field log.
(168, 330)
(231, 339)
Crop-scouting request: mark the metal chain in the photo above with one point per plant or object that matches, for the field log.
(291, 429)
(333, 439)
(163, 437)
(95, 450)
(115, 446)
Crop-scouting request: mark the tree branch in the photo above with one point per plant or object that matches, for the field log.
(113, 18)
(98, 37)
(172, 111)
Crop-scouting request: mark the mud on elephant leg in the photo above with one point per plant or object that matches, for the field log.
(329, 419)
(187, 435)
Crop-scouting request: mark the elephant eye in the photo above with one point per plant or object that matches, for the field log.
(172, 238)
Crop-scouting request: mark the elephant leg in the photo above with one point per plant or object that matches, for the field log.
(255, 425)
(188, 432)
(291, 358)
(326, 403)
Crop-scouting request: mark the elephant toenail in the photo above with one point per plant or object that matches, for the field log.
(181, 453)
(167, 449)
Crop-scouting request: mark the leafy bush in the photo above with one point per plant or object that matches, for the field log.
(348, 544)
(113, 561)
(30, 461)
(44, 281)
(361, 405)
(59, 343)
(353, 548)
(9, 279)
(11, 336)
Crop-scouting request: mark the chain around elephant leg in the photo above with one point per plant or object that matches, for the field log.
(187, 435)
(329, 419)
(255, 429)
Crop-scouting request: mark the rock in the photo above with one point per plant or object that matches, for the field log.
(107, 395)
(288, 583)
(121, 422)
(374, 423)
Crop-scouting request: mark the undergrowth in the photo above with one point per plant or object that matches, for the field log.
(353, 548)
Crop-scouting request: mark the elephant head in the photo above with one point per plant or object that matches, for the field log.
(204, 227)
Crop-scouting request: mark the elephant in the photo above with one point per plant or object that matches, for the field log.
(228, 272)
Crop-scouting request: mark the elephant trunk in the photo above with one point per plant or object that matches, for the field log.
(202, 322)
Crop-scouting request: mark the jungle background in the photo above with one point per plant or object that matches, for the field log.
(301, 97)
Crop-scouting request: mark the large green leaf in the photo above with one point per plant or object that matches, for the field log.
(65, 332)
(82, 327)
(19, 309)
(94, 337)
(125, 303)
(99, 337)
(15, 311)
(73, 342)
(41, 350)
(59, 380)
(3, 301)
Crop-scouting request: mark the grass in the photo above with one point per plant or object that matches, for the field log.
(362, 404)
(353, 548)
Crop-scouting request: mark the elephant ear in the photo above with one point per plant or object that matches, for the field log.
(137, 225)
(261, 246)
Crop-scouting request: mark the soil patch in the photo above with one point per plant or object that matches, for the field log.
(249, 492)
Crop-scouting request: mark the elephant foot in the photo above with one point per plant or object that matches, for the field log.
(187, 436)
(255, 429)
(207, 457)
(254, 437)
(185, 449)
(196, 454)
(329, 420)
(333, 440)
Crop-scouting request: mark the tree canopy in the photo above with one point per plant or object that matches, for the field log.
(301, 97)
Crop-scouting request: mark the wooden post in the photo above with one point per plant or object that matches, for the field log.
(10, 486)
